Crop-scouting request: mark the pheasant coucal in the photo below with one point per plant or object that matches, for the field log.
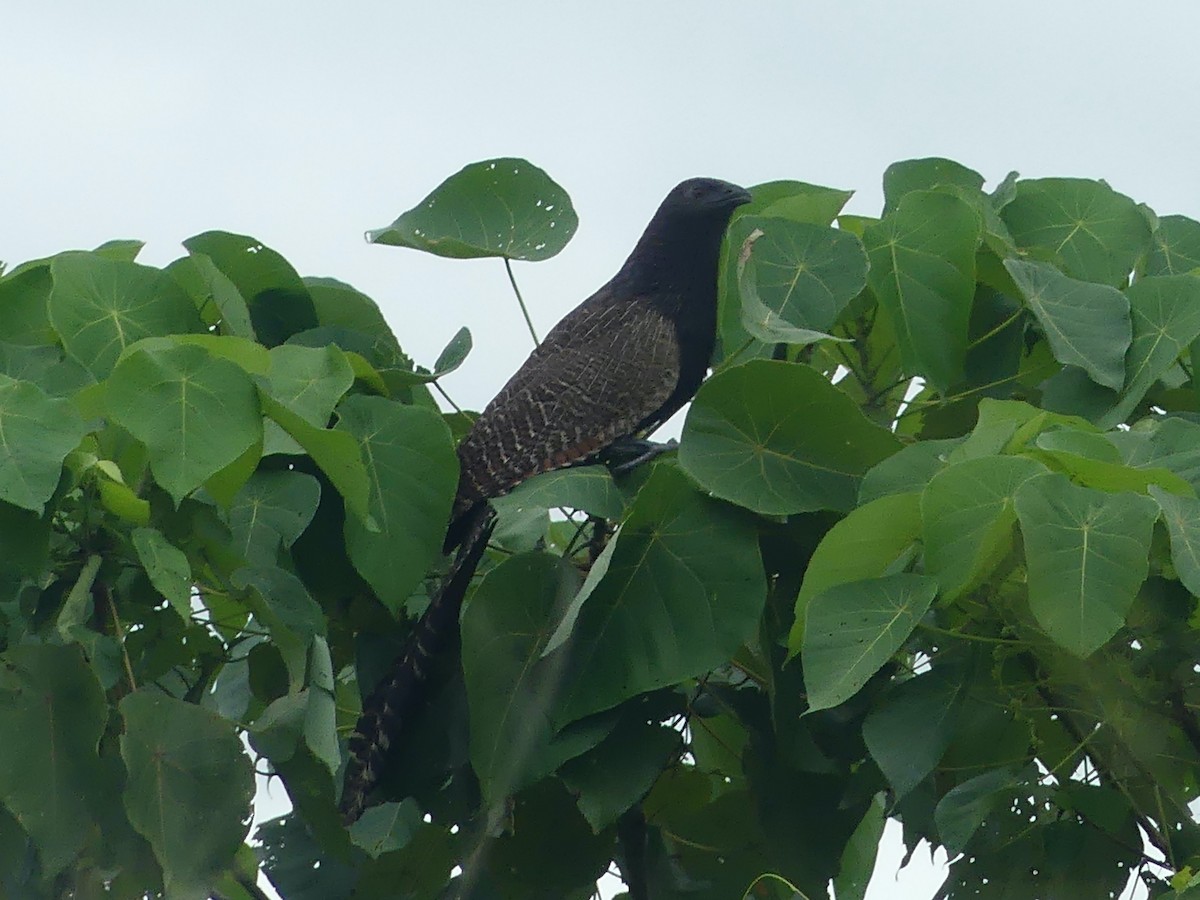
(617, 366)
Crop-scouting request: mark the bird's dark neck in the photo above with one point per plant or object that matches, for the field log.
(674, 265)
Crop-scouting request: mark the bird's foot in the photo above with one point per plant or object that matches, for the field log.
(629, 453)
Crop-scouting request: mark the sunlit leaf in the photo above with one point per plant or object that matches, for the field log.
(862, 545)
(195, 413)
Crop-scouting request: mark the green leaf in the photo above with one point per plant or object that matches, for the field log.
(454, 353)
(791, 200)
(167, 567)
(905, 177)
(47, 367)
(386, 827)
(78, 607)
(863, 545)
(1093, 460)
(189, 788)
(800, 276)
(968, 515)
(24, 542)
(963, 808)
(1087, 325)
(1088, 553)
(309, 381)
(52, 712)
(1097, 233)
(778, 438)
(278, 302)
(340, 305)
(1182, 515)
(611, 778)
(683, 590)
(852, 629)
(1165, 312)
(271, 511)
(1175, 249)
(858, 859)
(511, 689)
(196, 414)
(413, 473)
(923, 272)
(590, 488)
(101, 306)
(908, 469)
(913, 725)
(1171, 444)
(796, 201)
(24, 318)
(288, 611)
(335, 452)
(230, 304)
(36, 434)
(500, 207)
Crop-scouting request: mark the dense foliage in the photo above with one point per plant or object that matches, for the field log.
(929, 550)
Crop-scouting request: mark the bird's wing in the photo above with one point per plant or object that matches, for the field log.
(605, 369)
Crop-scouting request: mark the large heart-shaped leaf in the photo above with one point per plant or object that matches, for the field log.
(852, 629)
(1087, 324)
(1097, 233)
(1088, 554)
(778, 438)
(195, 413)
(683, 590)
(53, 713)
(413, 472)
(923, 272)
(189, 788)
(101, 306)
(498, 207)
(36, 434)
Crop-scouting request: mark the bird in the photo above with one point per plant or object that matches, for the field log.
(612, 370)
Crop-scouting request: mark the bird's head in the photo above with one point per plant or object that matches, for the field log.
(705, 198)
(692, 219)
(680, 246)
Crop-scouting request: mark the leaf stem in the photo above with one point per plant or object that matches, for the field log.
(520, 300)
(120, 635)
(442, 391)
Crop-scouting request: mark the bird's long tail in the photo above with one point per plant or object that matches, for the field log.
(386, 710)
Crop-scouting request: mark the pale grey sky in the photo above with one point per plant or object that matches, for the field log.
(304, 124)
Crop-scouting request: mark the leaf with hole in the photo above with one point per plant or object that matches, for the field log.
(500, 207)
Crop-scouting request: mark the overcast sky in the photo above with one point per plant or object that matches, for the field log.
(306, 124)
